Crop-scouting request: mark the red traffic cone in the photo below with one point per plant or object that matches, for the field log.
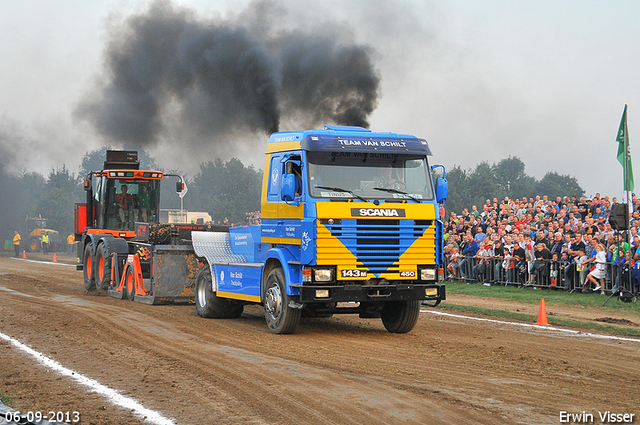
(55, 259)
(24, 255)
(542, 315)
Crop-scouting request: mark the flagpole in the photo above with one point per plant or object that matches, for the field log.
(629, 200)
(626, 164)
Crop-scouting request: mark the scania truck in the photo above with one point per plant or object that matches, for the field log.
(350, 224)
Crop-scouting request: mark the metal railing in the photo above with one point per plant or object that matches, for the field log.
(557, 274)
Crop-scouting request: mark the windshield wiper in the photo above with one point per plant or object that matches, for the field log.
(397, 191)
(339, 189)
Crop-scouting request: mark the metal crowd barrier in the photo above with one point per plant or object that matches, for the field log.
(557, 274)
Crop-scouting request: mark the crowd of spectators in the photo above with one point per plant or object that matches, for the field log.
(563, 242)
(252, 218)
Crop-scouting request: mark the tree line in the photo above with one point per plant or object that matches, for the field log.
(220, 188)
(230, 189)
(506, 178)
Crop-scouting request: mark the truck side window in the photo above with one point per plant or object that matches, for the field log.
(293, 167)
(275, 172)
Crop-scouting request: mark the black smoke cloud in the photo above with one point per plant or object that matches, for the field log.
(212, 77)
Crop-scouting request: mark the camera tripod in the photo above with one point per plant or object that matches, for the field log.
(622, 294)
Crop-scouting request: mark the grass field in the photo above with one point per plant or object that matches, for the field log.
(555, 297)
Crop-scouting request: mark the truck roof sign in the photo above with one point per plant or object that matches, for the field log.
(350, 138)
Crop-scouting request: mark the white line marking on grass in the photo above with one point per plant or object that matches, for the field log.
(527, 325)
(112, 395)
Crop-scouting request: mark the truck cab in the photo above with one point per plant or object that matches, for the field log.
(120, 195)
(350, 224)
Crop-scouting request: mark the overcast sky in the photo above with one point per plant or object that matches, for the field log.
(545, 81)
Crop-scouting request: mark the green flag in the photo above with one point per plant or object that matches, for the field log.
(623, 147)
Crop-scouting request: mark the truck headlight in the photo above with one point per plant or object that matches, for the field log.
(322, 293)
(428, 274)
(323, 275)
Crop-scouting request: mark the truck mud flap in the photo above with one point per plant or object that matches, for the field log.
(173, 275)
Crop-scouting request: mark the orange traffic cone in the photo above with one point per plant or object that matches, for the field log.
(55, 259)
(24, 255)
(542, 315)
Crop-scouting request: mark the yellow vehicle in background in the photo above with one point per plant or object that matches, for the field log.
(34, 229)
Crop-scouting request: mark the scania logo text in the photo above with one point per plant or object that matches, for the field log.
(377, 212)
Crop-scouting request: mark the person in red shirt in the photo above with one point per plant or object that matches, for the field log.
(124, 201)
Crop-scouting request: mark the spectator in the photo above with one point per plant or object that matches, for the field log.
(468, 251)
(520, 263)
(541, 265)
(482, 264)
(581, 265)
(528, 254)
(541, 238)
(598, 273)
(576, 245)
(71, 241)
(617, 270)
(45, 243)
(508, 266)
(16, 243)
(557, 245)
(454, 263)
(480, 235)
(554, 267)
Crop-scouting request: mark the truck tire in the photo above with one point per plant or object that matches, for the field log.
(208, 304)
(88, 272)
(281, 319)
(400, 316)
(103, 268)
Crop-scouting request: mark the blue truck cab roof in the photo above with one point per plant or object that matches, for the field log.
(351, 138)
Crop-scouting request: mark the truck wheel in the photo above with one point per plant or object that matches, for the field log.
(400, 316)
(87, 270)
(208, 304)
(103, 268)
(281, 319)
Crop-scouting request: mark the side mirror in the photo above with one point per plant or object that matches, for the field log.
(288, 192)
(442, 187)
(87, 185)
(179, 186)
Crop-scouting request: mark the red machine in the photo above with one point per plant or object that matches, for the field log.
(123, 248)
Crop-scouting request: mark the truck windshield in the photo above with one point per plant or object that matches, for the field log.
(369, 175)
(131, 200)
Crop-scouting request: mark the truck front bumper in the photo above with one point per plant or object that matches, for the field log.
(372, 293)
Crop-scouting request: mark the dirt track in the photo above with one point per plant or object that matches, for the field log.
(342, 370)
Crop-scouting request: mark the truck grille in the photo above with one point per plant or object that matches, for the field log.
(377, 244)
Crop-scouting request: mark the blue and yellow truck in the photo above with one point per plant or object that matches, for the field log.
(350, 224)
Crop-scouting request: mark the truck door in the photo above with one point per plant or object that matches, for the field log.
(282, 215)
